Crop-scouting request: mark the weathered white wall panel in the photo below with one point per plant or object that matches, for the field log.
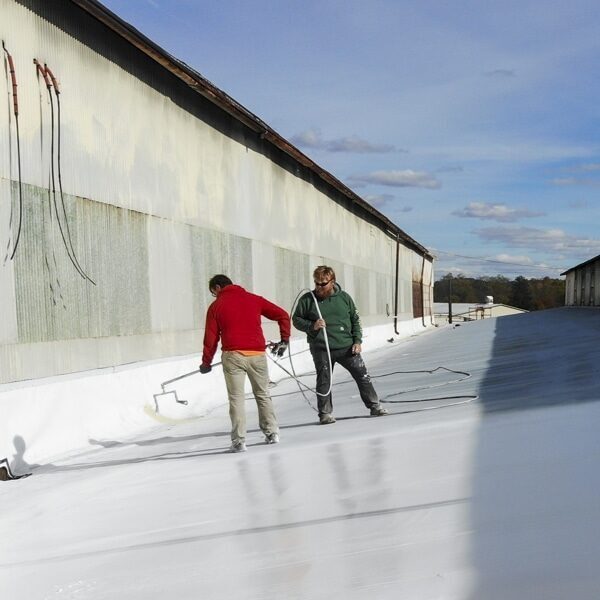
(347, 279)
(263, 263)
(8, 309)
(362, 290)
(217, 252)
(291, 269)
(406, 274)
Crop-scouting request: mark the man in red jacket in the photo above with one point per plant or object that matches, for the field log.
(235, 318)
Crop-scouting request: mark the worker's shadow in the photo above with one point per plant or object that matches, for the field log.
(155, 441)
(83, 466)
(185, 438)
(52, 468)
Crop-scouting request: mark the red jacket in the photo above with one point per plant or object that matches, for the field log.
(234, 317)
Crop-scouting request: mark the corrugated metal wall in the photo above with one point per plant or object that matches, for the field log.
(291, 275)
(160, 190)
(53, 301)
(217, 252)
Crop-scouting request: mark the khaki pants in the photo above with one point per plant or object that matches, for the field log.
(235, 368)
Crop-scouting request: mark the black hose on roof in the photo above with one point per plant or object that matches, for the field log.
(13, 77)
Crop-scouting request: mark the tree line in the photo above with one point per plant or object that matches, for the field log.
(528, 294)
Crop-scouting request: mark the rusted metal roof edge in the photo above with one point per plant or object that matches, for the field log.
(583, 264)
(210, 91)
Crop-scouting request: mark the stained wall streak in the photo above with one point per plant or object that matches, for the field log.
(292, 273)
(112, 239)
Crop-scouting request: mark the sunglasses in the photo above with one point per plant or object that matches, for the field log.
(323, 284)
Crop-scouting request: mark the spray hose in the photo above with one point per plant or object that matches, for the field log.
(302, 386)
(385, 399)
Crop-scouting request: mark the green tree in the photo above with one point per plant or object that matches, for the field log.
(547, 293)
(521, 296)
(499, 287)
(463, 290)
(529, 294)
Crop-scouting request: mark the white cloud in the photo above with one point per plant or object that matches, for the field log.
(513, 150)
(355, 144)
(378, 200)
(591, 167)
(501, 73)
(578, 204)
(494, 212)
(352, 144)
(584, 168)
(509, 265)
(381, 200)
(563, 181)
(308, 139)
(541, 240)
(519, 259)
(406, 178)
(450, 169)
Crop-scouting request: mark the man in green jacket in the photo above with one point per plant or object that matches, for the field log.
(328, 313)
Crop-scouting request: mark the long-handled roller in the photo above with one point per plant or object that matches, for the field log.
(174, 392)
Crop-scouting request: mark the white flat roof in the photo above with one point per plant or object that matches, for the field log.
(447, 497)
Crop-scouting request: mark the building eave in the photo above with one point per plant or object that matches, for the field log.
(208, 90)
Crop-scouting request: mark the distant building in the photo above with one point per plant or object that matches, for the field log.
(581, 288)
(472, 312)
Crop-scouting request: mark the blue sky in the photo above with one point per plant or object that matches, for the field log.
(474, 126)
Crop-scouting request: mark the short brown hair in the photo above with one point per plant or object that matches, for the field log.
(219, 280)
(323, 271)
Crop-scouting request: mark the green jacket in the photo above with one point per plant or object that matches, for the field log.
(340, 314)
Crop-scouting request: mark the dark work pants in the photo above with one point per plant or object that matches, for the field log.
(354, 364)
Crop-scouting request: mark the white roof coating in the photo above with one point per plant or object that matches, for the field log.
(491, 498)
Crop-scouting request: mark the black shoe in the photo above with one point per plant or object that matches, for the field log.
(326, 419)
